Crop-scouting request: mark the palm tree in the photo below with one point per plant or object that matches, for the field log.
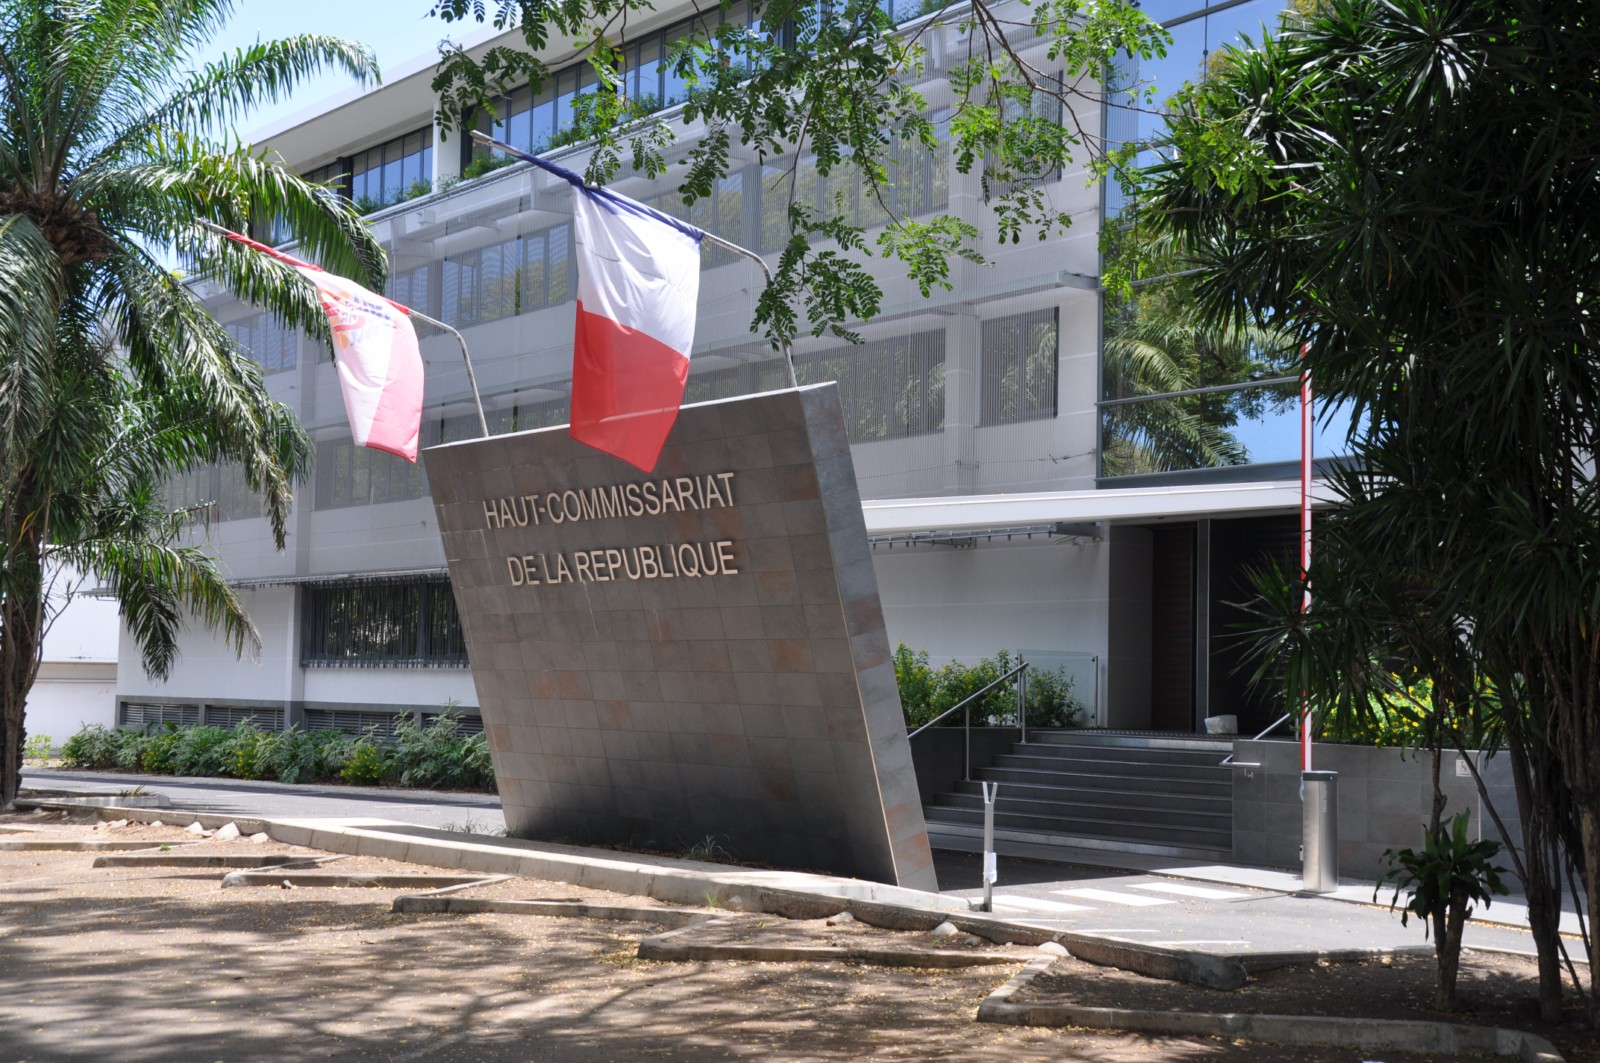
(112, 373)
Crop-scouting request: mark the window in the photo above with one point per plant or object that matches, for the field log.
(513, 277)
(481, 285)
(270, 343)
(1019, 362)
(889, 388)
(384, 623)
(213, 493)
(918, 183)
(393, 171)
(348, 475)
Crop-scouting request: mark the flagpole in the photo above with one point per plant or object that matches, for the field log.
(273, 252)
(472, 378)
(727, 245)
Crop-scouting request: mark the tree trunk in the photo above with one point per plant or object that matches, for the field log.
(21, 642)
(1540, 866)
(1589, 825)
(1450, 924)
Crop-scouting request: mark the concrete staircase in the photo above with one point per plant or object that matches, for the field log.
(1159, 794)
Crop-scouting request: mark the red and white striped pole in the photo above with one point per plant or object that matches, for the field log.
(1305, 538)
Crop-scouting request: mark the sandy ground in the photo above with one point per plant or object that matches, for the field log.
(147, 964)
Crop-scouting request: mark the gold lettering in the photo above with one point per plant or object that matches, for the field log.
(491, 513)
(635, 503)
(685, 487)
(688, 559)
(613, 562)
(652, 498)
(571, 505)
(533, 506)
(635, 570)
(563, 570)
(580, 561)
(725, 556)
(648, 563)
(552, 506)
(515, 570)
(727, 487)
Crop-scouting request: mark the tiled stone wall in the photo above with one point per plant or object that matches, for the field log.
(1383, 800)
(757, 706)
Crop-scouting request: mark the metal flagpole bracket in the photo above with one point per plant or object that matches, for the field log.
(472, 379)
(486, 140)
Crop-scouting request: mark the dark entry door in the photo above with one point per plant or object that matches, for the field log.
(1172, 620)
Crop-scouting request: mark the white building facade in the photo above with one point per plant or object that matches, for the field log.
(991, 442)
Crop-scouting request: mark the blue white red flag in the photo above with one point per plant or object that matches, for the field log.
(638, 283)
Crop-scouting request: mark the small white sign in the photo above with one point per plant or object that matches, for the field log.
(991, 869)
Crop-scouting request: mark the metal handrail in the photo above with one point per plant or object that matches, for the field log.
(1273, 726)
(966, 704)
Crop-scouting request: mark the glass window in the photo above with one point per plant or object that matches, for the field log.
(348, 475)
(1210, 430)
(267, 342)
(393, 171)
(1019, 360)
(381, 623)
(889, 388)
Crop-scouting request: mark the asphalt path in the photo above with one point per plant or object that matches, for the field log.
(1215, 909)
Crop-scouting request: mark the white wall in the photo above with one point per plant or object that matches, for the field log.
(78, 672)
(208, 669)
(963, 604)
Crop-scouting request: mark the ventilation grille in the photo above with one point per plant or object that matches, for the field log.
(143, 714)
(233, 716)
(353, 721)
(466, 725)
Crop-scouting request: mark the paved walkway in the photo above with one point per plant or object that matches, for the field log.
(1207, 908)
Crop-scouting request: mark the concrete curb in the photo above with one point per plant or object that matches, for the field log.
(180, 859)
(438, 902)
(80, 845)
(1443, 1038)
(336, 880)
(794, 895)
(669, 948)
(96, 801)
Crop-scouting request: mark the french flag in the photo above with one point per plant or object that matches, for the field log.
(638, 283)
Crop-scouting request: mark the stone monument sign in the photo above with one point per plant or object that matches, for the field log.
(690, 653)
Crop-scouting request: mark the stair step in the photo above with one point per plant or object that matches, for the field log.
(1068, 810)
(1220, 745)
(1078, 789)
(1085, 826)
(1094, 766)
(1174, 788)
(1208, 758)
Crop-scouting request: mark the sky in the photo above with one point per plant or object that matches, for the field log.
(397, 30)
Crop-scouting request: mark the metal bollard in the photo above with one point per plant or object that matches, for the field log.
(1319, 850)
(991, 871)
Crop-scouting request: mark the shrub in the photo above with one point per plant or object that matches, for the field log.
(200, 751)
(366, 765)
(438, 755)
(93, 747)
(485, 162)
(37, 747)
(925, 693)
(247, 752)
(130, 750)
(155, 756)
(1403, 715)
